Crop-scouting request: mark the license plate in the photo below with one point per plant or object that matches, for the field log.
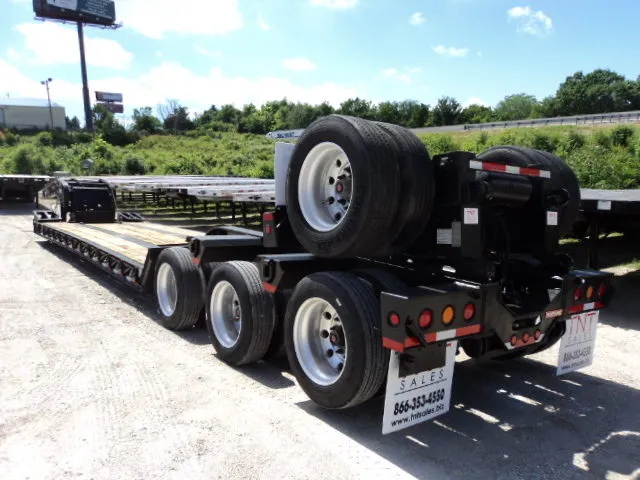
(578, 342)
(417, 398)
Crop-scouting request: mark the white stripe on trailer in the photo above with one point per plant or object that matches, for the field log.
(512, 169)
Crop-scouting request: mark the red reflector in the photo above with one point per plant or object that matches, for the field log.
(268, 229)
(514, 340)
(469, 311)
(602, 290)
(267, 216)
(425, 319)
(394, 319)
(526, 337)
(537, 334)
(577, 294)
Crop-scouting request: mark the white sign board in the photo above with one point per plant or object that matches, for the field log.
(417, 398)
(578, 342)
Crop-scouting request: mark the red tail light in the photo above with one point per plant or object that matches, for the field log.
(577, 294)
(537, 334)
(469, 311)
(394, 319)
(526, 337)
(602, 290)
(514, 340)
(425, 319)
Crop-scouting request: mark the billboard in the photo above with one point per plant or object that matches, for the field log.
(112, 107)
(98, 12)
(108, 97)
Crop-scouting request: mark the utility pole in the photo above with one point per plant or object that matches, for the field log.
(46, 83)
(88, 118)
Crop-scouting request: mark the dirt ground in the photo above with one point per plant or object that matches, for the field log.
(92, 387)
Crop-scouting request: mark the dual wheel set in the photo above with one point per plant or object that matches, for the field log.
(328, 329)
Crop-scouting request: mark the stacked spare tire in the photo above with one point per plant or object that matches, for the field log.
(362, 188)
(358, 188)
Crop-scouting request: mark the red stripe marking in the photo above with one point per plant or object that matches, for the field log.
(269, 288)
(431, 337)
(575, 309)
(494, 167)
(532, 172)
(470, 330)
(411, 342)
(392, 344)
(599, 305)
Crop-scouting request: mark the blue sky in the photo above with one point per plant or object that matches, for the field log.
(204, 52)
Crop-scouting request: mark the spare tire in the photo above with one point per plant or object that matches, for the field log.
(343, 188)
(418, 187)
(562, 177)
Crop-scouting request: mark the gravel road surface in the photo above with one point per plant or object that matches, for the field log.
(92, 387)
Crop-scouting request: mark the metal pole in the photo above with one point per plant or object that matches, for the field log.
(85, 82)
(49, 100)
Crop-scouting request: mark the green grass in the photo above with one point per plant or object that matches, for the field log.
(602, 157)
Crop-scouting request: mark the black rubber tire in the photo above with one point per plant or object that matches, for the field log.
(189, 286)
(561, 176)
(418, 187)
(258, 313)
(276, 350)
(365, 228)
(365, 369)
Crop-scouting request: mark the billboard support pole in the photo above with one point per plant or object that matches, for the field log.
(85, 82)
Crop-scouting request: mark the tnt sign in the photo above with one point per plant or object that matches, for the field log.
(578, 342)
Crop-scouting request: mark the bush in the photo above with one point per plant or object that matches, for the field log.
(544, 142)
(574, 141)
(598, 167)
(45, 139)
(26, 160)
(437, 144)
(621, 135)
(133, 166)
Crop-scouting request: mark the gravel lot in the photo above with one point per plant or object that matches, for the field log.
(92, 387)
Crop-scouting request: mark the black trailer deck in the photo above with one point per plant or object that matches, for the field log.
(611, 211)
(21, 187)
(125, 250)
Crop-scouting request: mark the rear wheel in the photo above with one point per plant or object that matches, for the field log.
(240, 313)
(178, 289)
(333, 344)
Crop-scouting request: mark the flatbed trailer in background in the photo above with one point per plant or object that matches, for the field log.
(374, 263)
(22, 188)
(605, 211)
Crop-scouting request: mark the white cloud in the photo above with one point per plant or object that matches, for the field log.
(404, 76)
(53, 44)
(475, 101)
(417, 19)
(298, 64)
(336, 4)
(531, 22)
(264, 26)
(206, 52)
(173, 80)
(188, 17)
(451, 51)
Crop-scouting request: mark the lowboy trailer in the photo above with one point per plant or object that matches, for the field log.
(375, 265)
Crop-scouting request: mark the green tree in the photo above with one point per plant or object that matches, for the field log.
(477, 114)
(145, 121)
(446, 112)
(179, 121)
(357, 107)
(516, 107)
(388, 112)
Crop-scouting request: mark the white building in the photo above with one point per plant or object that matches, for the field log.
(30, 113)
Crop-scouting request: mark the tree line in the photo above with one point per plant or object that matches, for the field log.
(597, 92)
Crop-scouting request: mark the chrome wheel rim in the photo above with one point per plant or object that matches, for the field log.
(319, 341)
(225, 314)
(167, 290)
(325, 186)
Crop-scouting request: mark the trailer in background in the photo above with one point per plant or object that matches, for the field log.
(21, 188)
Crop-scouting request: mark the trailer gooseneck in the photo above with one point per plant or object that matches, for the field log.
(375, 263)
